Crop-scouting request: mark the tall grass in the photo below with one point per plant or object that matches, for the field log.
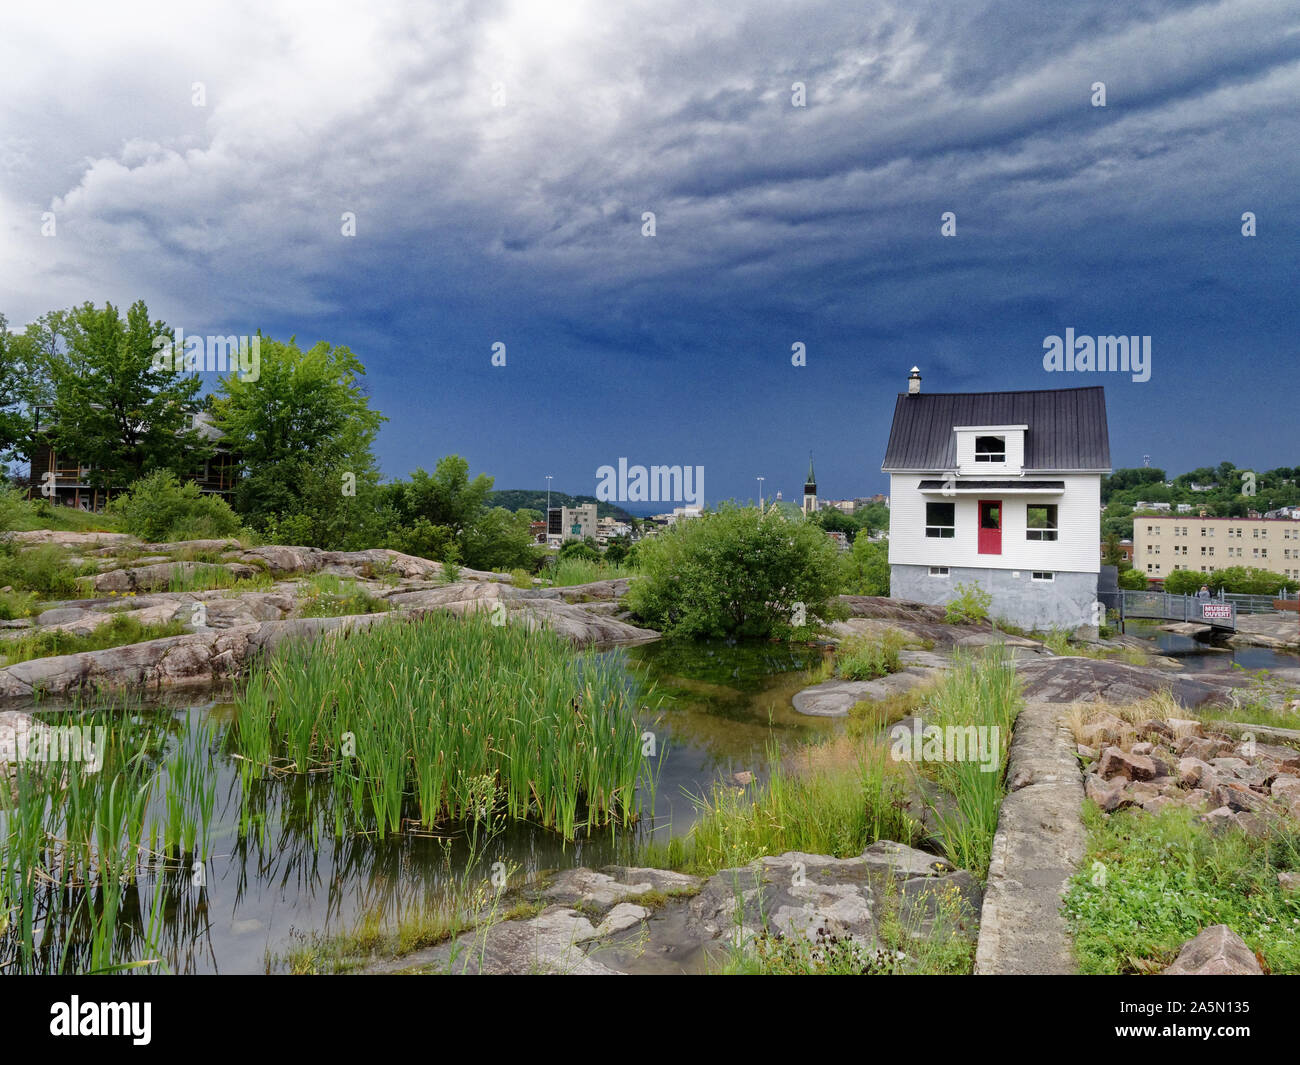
(567, 572)
(833, 798)
(325, 595)
(982, 692)
(869, 657)
(449, 718)
(202, 577)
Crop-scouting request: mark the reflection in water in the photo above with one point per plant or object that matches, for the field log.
(1197, 657)
(278, 867)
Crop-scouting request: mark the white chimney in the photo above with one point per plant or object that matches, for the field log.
(914, 381)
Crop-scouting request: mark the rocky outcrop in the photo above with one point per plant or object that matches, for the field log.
(1069, 680)
(630, 920)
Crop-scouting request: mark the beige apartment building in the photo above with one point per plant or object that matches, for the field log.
(1164, 543)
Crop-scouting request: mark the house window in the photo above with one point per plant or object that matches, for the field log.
(941, 520)
(1041, 522)
(938, 571)
(1043, 575)
(990, 449)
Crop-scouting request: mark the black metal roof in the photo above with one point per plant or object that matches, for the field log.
(1067, 427)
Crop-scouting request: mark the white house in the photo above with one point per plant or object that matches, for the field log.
(1002, 489)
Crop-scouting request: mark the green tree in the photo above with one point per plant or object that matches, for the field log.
(1132, 579)
(305, 431)
(446, 497)
(498, 539)
(866, 568)
(737, 571)
(114, 409)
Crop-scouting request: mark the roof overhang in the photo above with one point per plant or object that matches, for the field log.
(1007, 487)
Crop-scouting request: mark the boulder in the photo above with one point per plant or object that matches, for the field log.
(1193, 773)
(1217, 951)
(1117, 762)
(1108, 794)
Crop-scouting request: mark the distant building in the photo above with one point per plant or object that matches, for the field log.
(1142, 504)
(810, 489)
(841, 541)
(1125, 550)
(65, 480)
(1163, 544)
(570, 523)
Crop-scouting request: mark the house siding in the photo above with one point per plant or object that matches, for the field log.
(1074, 550)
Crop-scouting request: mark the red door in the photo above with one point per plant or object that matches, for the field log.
(990, 540)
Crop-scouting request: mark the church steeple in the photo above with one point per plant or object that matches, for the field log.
(810, 489)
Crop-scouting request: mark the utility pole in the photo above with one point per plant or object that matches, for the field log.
(760, 492)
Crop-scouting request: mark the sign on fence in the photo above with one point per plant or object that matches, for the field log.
(1216, 610)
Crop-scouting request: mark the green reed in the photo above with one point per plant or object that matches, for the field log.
(440, 719)
(78, 832)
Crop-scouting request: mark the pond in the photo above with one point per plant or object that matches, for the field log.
(713, 709)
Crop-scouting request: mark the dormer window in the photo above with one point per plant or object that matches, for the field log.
(990, 449)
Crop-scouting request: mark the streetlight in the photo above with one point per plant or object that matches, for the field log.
(760, 493)
(548, 509)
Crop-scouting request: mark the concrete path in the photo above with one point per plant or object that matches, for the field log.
(1038, 847)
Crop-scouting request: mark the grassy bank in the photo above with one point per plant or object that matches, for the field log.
(1150, 882)
(118, 632)
(840, 796)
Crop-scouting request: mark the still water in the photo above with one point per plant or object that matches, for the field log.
(713, 709)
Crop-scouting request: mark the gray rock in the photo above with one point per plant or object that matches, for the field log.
(1217, 951)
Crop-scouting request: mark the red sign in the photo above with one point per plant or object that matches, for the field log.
(1216, 610)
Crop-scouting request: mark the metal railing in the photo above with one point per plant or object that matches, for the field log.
(1219, 613)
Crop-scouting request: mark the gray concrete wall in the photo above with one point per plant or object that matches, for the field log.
(1064, 603)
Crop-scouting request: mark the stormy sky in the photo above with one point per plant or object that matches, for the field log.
(499, 159)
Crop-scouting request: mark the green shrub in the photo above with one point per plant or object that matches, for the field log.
(869, 657)
(866, 568)
(46, 570)
(15, 605)
(969, 606)
(422, 539)
(159, 507)
(737, 571)
(521, 578)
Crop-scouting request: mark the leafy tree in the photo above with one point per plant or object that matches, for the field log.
(866, 568)
(446, 497)
(1132, 579)
(618, 549)
(499, 539)
(833, 520)
(113, 409)
(737, 571)
(304, 431)
(586, 549)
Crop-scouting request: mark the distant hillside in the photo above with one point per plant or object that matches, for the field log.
(535, 499)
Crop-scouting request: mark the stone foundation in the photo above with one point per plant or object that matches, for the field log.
(1065, 603)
